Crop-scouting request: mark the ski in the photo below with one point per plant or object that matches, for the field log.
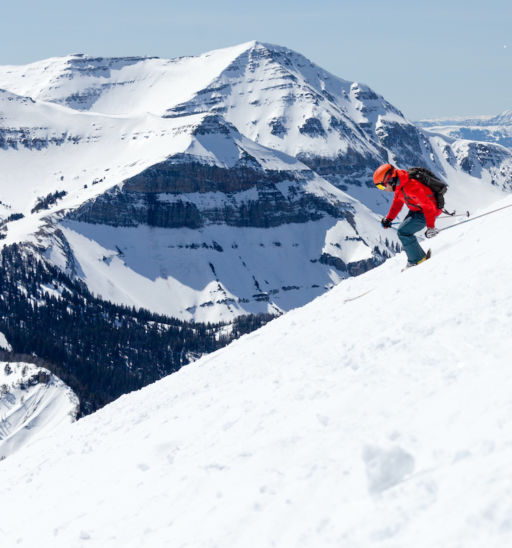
(357, 296)
(427, 256)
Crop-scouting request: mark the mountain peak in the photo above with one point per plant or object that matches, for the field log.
(257, 44)
(505, 118)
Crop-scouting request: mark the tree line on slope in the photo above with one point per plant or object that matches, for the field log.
(100, 349)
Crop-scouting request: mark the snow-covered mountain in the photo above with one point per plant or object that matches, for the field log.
(377, 415)
(33, 404)
(208, 187)
(490, 129)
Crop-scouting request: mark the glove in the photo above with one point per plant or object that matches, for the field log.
(431, 232)
(385, 222)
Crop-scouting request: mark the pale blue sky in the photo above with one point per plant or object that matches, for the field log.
(429, 58)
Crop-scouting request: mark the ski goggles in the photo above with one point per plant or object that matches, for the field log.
(387, 180)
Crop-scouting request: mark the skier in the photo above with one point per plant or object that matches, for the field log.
(422, 206)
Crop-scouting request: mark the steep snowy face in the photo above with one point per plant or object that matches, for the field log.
(117, 85)
(377, 415)
(234, 228)
(277, 97)
(33, 403)
(280, 99)
(490, 129)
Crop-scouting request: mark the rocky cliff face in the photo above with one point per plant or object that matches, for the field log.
(187, 190)
(271, 204)
(475, 158)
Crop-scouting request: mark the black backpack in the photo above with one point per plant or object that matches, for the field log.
(427, 178)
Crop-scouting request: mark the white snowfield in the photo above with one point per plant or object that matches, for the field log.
(33, 403)
(377, 415)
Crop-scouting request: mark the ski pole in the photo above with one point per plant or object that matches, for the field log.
(455, 214)
(467, 220)
(474, 218)
(467, 214)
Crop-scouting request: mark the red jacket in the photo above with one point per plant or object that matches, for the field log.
(416, 196)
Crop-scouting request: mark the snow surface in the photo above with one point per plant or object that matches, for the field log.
(155, 269)
(4, 343)
(377, 415)
(30, 408)
(117, 86)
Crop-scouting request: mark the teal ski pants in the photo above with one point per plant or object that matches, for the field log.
(414, 222)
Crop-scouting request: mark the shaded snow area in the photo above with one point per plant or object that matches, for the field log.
(235, 269)
(33, 404)
(377, 415)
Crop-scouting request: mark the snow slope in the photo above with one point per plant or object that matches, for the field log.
(230, 270)
(376, 415)
(33, 403)
(118, 86)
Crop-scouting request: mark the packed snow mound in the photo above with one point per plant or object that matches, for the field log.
(33, 403)
(377, 415)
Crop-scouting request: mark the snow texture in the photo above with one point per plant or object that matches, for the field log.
(33, 403)
(376, 415)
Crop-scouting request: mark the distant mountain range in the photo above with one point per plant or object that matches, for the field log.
(491, 129)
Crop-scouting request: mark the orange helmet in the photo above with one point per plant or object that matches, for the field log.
(383, 175)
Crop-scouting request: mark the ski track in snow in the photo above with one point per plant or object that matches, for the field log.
(378, 421)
